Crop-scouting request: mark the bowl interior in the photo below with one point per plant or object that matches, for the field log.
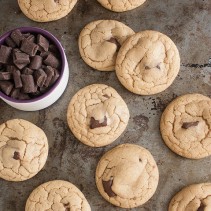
(53, 40)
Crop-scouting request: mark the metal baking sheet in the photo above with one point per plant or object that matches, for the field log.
(188, 23)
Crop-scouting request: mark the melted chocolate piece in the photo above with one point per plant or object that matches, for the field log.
(67, 206)
(16, 156)
(107, 187)
(187, 125)
(106, 96)
(147, 68)
(96, 123)
(202, 207)
(115, 41)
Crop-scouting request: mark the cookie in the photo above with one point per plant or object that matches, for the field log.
(57, 195)
(147, 63)
(46, 10)
(23, 150)
(100, 41)
(121, 5)
(195, 197)
(127, 176)
(186, 126)
(97, 115)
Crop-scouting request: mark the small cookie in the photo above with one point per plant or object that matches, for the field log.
(46, 10)
(127, 176)
(121, 5)
(147, 63)
(195, 197)
(100, 41)
(97, 115)
(186, 126)
(23, 150)
(57, 195)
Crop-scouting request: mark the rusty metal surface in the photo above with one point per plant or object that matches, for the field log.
(188, 23)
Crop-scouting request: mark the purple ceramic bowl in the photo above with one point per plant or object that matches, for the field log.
(59, 86)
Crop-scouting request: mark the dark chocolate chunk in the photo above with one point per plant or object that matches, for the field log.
(5, 76)
(10, 42)
(52, 61)
(5, 54)
(67, 206)
(50, 73)
(96, 123)
(187, 125)
(28, 84)
(106, 96)
(16, 155)
(55, 77)
(107, 187)
(202, 207)
(44, 54)
(15, 93)
(6, 87)
(23, 96)
(158, 67)
(115, 41)
(17, 79)
(147, 68)
(31, 38)
(53, 49)
(17, 36)
(40, 77)
(42, 42)
(29, 47)
(20, 59)
(36, 62)
(27, 71)
(11, 68)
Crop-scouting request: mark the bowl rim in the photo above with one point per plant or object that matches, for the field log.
(51, 38)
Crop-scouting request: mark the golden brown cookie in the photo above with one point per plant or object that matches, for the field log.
(147, 63)
(46, 10)
(97, 115)
(186, 126)
(23, 150)
(100, 41)
(195, 197)
(127, 176)
(57, 195)
(121, 5)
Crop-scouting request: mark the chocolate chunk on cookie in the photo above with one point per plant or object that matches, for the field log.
(186, 126)
(100, 41)
(125, 181)
(97, 120)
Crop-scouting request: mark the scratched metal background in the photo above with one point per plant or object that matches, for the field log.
(188, 23)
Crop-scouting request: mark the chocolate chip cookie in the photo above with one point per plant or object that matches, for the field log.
(23, 150)
(100, 41)
(186, 126)
(97, 115)
(127, 176)
(57, 195)
(121, 5)
(147, 63)
(195, 197)
(45, 11)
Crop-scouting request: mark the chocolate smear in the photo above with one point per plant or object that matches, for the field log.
(107, 187)
(96, 123)
(187, 125)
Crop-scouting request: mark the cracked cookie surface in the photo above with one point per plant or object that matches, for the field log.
(57, 195)
(46, 10)
(147, 63)
(100, 41)
(121, 5)
(127, 176)
(23, 150)
(195, 197)
(186, 126)
(97, 115)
